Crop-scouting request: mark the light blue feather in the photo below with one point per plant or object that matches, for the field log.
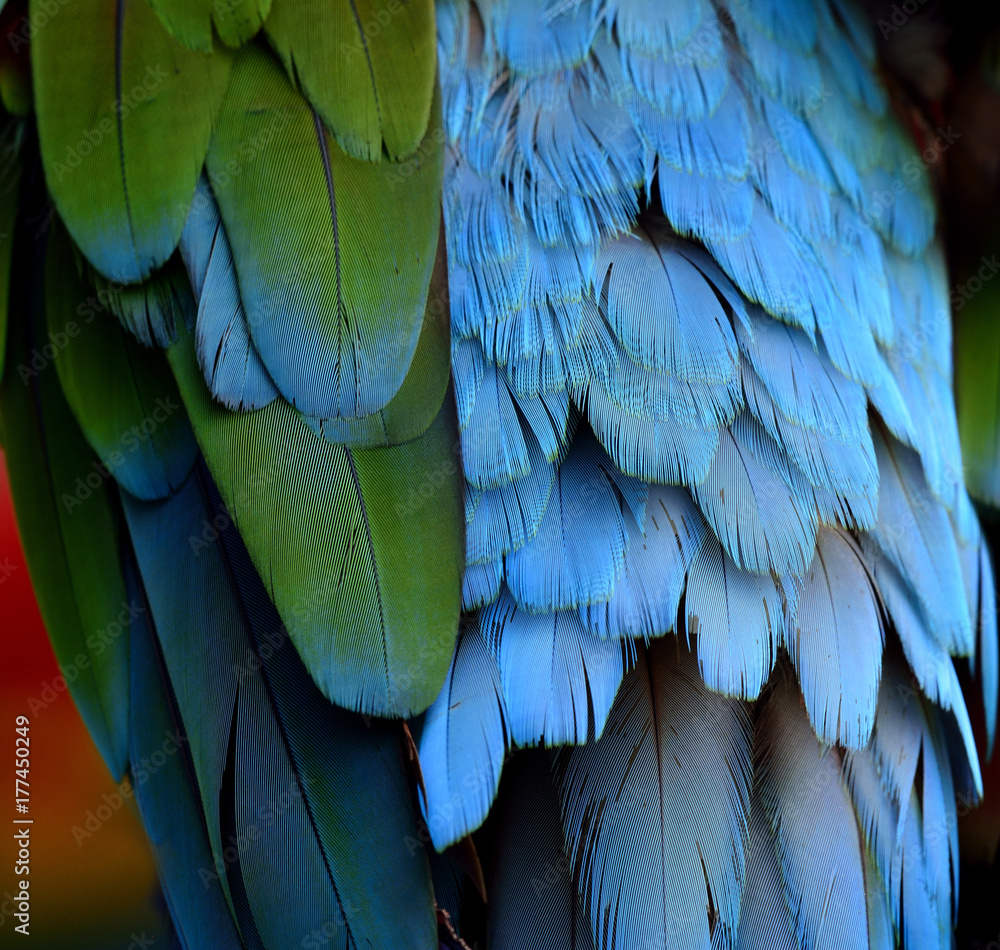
(503, 519)
(228, 359)
(656, 451)
(655, 812)
(765, 920)
(579, 550)
(481, 584)
(703, 207)
(738, 621)
(836, 642)
(541, 37)
(663, 310)
(764, 524)
(914, 533)
(648, 592)
(557, 676)
(810, 814)
(463, 742)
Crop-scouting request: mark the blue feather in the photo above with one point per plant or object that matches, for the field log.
(266, 734)
(798, 144)
(579, 550)
(557, 676)
(481, 584)
(533, 903)
(648, 592)
(655, 812)
(656, 451)
(765, 920)
(791, 76)
(168, 797)
(659, 27)
(914, 533)
(718, 146)
(804, 384)
(663, 310)
(800, 781)
(738, 621)
(768, 264)
(494, 450)
(764, 524)
(541, 37)
(463, 742)
(987, 654)
(703, 207)
(836, 642)
(847, 468)
(503, 519)
(228, 359)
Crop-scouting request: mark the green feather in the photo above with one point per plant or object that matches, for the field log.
(334, 255)
(366, 65)
(69, 520)
(977, 391)
(411, 411)
(190, 21)
(11, 140)
(125, 113)
(123, 395)
(361, 550)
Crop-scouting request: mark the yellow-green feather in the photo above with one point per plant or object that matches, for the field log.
(367, 66)
(125, 113)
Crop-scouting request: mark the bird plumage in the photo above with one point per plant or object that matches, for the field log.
(653, 293)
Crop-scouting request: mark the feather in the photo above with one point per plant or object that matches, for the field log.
(654, 450)
(122, 394)
(318, 855)
(557, 676)
(417, 403)
(541, 37)
(763, 523)
(533, 904)
(765, 920)
(648, 592)
(167, 795)
(504, 519)
(229, 362)
(655, 813)
(914, 533)
(69, 519)
(579, 550)
(737, 619)
(799, 781)
(836, 642)
(335, 313)
(191, 21)
(374, 618)
(481, 584)
(140, 161)
(367, 68)
(663, 311)
(463, 742)
(805, 386)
